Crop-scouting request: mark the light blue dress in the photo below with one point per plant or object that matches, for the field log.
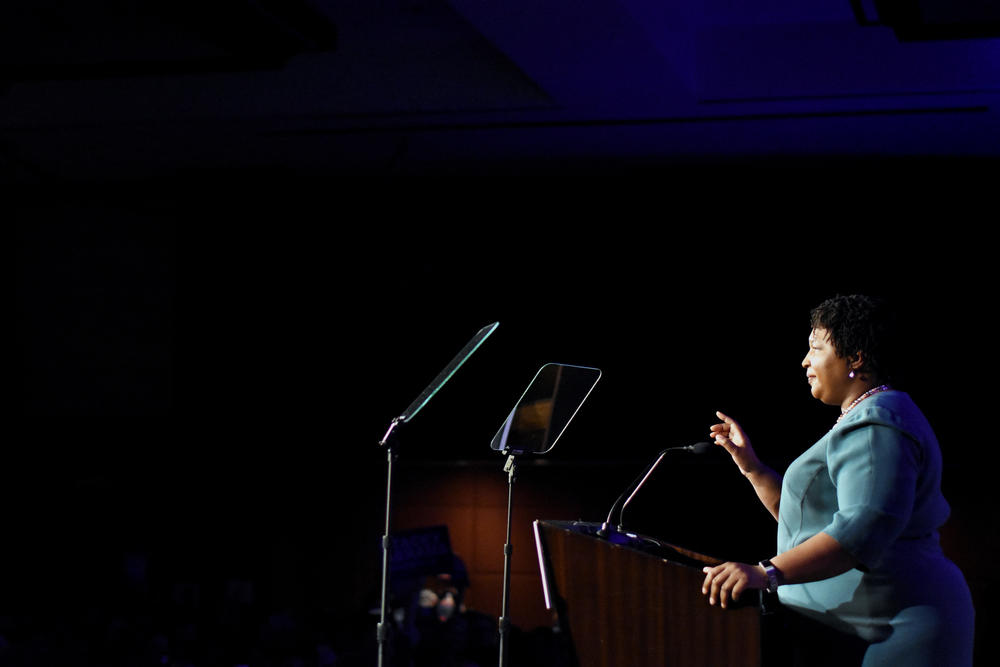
(873, 483)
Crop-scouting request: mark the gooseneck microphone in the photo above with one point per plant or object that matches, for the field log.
(622, 502)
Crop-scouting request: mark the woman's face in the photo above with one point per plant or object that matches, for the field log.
(825, 370)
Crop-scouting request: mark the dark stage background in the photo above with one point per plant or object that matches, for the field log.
(248, 233)
(206, 365)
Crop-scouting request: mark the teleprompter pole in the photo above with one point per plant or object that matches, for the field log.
(511, 469)
(382, 630)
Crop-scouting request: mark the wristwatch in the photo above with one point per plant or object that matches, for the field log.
(773, 576)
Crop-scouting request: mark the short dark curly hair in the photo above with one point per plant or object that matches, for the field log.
(861, 324)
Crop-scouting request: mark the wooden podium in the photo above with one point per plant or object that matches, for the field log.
(630, 600)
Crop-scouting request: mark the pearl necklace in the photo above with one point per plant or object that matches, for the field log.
(870, 392)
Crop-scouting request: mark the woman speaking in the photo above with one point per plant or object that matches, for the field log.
(858, 512)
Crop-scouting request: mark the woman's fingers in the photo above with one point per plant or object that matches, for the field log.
(729, 426)
(714, 579)
(721, 433)
(738, 587)
(730, 423)
(731, 436)
(726, 444)
(708, 580)
(724, 583)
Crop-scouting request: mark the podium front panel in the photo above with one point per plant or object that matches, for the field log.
(623, 606)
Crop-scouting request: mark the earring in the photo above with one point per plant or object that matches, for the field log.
(851, 374)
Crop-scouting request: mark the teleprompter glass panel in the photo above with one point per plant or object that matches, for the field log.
(449, 370)
(545, 409)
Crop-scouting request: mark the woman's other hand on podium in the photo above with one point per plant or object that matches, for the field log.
(727, 581)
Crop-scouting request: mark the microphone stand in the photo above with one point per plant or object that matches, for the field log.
(621, 503)
(636, 483)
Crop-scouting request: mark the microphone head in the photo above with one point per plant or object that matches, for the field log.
(701, 447)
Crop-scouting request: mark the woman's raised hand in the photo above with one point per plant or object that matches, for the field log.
(729, 435)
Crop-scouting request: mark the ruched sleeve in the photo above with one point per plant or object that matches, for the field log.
(874, 468)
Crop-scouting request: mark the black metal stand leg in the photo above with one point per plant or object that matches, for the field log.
(510, 468)
(382, 631)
